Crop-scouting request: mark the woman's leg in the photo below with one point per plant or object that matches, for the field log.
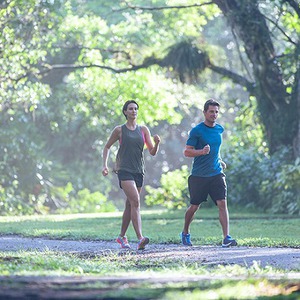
(126, 218)
(133, 197)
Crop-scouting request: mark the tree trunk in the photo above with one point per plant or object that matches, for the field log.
(278, 110)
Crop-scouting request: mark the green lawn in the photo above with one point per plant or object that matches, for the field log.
(239, 282)
(250, 229)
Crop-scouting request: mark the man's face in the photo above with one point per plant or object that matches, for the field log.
(211, 114)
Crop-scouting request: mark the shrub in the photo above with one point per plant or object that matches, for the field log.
(173, 192)
(86, 202)
(266, 183)
(284, 191)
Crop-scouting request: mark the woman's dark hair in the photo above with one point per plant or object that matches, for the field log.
(126, 105)
(211, 102)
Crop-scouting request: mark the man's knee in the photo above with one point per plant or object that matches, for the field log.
(222, 204)
(194, 207)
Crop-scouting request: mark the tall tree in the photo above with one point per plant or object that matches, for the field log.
(275, 88)
(266, 34)
(269, 32)
(66, 68)
(273, 72)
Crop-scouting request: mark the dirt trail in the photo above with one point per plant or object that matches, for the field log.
(284, 258)
(99, 287)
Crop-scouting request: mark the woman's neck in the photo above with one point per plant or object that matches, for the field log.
(131, 124)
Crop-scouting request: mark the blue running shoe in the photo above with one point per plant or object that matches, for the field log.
(185, 239)
(229, 241)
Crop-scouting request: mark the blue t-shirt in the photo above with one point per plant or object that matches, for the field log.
(210, 164)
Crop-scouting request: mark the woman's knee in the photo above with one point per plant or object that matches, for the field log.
(134, 202)
(127, 204)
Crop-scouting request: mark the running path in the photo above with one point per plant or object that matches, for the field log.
(283, 258)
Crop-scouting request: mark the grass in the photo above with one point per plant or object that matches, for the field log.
(161, 226)
(50, 263)
(131, 277)
(218, 282)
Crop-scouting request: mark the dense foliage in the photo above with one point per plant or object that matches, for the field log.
(257, 180)
(173, 191)
(68, 66)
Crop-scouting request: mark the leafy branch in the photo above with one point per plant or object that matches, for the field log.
(137, 7)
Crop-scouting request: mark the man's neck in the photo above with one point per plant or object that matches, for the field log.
(209, 124)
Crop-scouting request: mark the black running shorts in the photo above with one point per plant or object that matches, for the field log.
(138, 178)
(201, 187)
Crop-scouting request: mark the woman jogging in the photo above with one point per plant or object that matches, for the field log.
(130, 168)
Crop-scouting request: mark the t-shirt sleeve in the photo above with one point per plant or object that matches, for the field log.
(193, 138)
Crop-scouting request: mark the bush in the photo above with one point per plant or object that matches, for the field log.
(284, 191)
(86, 202)
(173, 192)
(13, 205)
(53, 199)
(262, 182)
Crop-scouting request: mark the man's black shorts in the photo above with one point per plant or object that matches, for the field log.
(201, 187)
(138, 178)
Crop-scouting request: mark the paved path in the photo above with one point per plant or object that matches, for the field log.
(283, 258)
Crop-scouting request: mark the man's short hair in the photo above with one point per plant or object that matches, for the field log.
(211, 102)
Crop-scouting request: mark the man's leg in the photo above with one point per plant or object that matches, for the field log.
(223, 216)
(185, 237)
(189, 216)
(224, 220)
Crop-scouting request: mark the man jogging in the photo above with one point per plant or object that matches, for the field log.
(207, 177)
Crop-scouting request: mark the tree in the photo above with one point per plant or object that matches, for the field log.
(54, 122)
(276, 76)
(266, 35)
(66, 68)
(271, 73)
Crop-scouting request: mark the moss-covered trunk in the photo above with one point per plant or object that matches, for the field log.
(279, 111)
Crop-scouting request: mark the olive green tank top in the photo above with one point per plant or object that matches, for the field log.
(130, 156)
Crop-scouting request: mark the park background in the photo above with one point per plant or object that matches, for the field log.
(67, 67)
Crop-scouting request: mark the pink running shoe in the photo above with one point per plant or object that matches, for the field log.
(123, 242)
(142, 243)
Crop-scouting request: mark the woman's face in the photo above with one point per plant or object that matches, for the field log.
(131, 111)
